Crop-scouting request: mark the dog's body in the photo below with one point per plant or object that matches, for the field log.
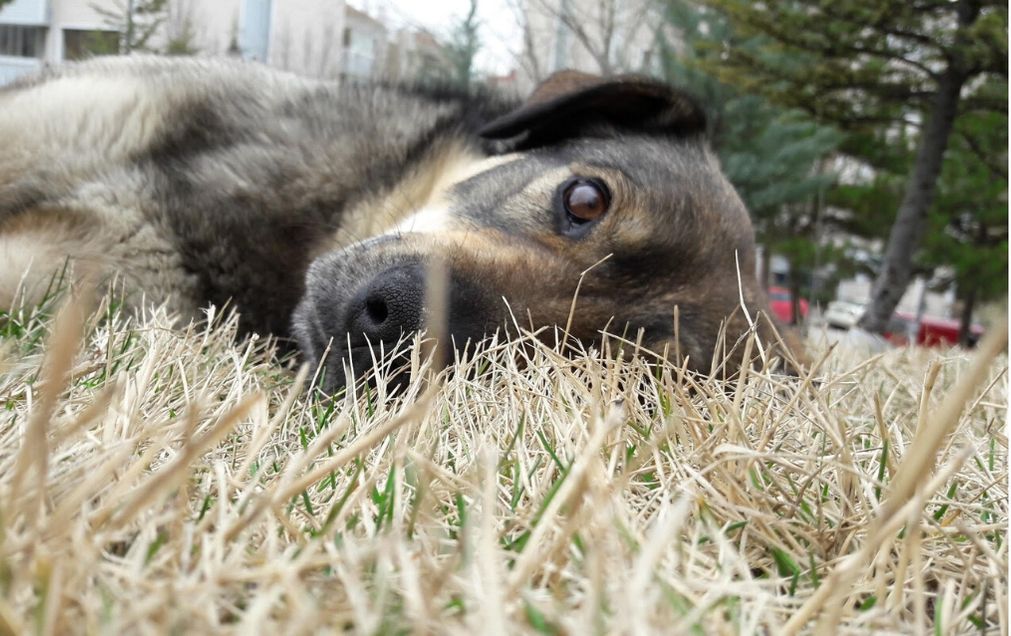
(214, 182)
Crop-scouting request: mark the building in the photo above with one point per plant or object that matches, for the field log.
(415, 55)
(363, 45)
(506, 84)
(29, 40)
(303, 36)
(317, 38)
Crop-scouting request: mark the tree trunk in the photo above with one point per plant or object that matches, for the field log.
(910, 223)
(765, 276)
(795, 316)
(971, 290)
(965, 327)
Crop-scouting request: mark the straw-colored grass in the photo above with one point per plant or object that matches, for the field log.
(157, 479)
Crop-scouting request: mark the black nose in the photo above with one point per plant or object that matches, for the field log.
(387, 307)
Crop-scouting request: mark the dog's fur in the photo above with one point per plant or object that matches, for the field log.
(205, 181)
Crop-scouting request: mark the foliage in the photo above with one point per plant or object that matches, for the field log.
(463, 45)
(775, 157)
(890, 74)
(182, 45)
(969, 221)
(93, 43)
(181, 33)
(769, 153)
(136, 20)
(859, 64)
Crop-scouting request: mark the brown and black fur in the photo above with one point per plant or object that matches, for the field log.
(213, 182)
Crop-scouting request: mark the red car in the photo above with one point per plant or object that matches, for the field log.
(781, 304)
(933, 331)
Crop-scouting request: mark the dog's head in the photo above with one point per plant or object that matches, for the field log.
(604, 181)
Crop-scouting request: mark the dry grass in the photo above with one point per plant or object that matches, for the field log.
(177, 482)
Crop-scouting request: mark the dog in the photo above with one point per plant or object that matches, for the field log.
(317, 210)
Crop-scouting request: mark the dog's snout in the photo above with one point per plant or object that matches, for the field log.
(388, 306)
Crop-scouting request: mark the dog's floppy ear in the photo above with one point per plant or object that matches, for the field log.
(570, 102)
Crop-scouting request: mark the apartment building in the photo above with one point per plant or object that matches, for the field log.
(303, 36)
(364, 43)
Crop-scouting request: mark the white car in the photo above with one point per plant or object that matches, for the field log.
(843, 314)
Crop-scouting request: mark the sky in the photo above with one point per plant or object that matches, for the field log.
(500, 33)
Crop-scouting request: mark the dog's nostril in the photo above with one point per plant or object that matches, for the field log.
(388, 306)
(376, 309)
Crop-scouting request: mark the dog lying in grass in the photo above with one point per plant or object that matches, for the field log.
(322, 213)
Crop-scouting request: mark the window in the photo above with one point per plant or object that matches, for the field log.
(255, 32)
(80, 44)
(22, 41)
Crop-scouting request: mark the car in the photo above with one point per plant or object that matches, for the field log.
(781, 304)
(933, 331)
(843, 314)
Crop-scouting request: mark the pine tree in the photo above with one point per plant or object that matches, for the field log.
(969, 221)
(773, 156)
(876, 68)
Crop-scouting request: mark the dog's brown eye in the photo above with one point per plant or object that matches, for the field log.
(585, 201)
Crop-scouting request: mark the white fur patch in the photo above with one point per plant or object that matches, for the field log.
(474, 166)
(84, 117)
(428, 220)
(435, 215)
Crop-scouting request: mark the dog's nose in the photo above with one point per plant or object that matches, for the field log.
(388, 306)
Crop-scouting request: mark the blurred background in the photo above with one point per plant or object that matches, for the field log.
(867, 137)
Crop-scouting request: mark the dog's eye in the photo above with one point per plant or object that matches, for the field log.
(585, 201)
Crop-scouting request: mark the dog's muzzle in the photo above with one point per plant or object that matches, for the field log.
(360, 306)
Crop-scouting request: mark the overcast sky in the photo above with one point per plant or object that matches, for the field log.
(501, 36)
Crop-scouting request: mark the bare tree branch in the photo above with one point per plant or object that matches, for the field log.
(612, 31)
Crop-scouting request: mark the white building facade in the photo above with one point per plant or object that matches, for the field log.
(303, 36)
(364, 43)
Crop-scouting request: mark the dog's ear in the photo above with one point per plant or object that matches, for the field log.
(569, 103)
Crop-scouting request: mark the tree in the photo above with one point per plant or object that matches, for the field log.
(969, 219)
(137, 21)
(599, 36)
(774, 157)
(180, 31)
(463, 45)
(873, 66)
